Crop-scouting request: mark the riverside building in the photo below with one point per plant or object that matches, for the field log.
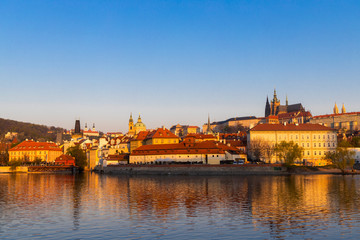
(30, 151)
(314, 138)
(188, 151)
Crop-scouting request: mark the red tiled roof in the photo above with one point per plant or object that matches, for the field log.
(200, 136)
(90, 131)
(294, 114)
(141, 136)
(291, 127)
(31, 146)
(334, 115)
(207, 147)
(64, 157)
(161, 133)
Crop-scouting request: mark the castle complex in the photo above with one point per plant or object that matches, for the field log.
(274, 108)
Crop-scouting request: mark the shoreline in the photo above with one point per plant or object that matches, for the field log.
(215, 170)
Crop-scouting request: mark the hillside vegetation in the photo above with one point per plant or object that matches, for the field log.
(28, 130)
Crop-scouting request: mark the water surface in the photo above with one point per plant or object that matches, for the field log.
(91, 206)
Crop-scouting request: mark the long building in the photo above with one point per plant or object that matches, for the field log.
(208, 152)
(30, 151)
(348, 121)
(314, 138)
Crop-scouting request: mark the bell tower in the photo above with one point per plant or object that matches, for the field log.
(131, 125)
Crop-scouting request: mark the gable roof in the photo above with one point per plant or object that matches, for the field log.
(334, 115)
(290, 127)
(30, 145)
(161, 133)
(206, 147)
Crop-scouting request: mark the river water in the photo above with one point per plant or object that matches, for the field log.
(92, 206)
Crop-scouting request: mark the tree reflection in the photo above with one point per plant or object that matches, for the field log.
(79, 184)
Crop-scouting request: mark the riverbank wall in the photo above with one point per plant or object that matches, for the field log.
(39, 169)
(7, 169)
(185, 169)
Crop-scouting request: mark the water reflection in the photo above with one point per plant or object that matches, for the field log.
(89, 205)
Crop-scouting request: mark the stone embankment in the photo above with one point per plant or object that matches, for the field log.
(39, 169)
(185, 169)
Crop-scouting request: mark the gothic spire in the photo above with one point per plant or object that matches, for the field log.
(267, 107)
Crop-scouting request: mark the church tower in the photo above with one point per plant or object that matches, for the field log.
(336, 109)
(267, 107)
(77, 127)
(209, 130)
(131, 126)
(77, 131)
(343, 110)
(275, 103)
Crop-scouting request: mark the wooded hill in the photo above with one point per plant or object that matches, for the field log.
(28, 130)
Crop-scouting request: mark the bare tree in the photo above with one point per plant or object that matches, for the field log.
(260, 150)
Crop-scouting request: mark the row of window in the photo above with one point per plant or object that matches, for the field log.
(156, 157)
(303, 137)
(165, 141)
(320, 153)
(319, 145)
(25, 153)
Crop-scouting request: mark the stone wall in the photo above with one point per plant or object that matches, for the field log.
(273, 169)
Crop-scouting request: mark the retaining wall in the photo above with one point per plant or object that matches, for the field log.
(273, 169)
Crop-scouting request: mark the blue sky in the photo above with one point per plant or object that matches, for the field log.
(174, 61)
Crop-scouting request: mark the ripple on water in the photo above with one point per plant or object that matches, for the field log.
(91, 206)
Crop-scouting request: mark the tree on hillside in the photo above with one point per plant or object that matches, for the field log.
(79, 155)
(289, 152)
(341, 158)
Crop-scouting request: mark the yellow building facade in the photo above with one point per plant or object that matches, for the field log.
(314, 138)
(31, 151)
(161, 136)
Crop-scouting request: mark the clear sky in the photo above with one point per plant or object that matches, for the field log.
(174, 61)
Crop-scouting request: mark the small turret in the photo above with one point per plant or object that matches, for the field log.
(343, 110)
(336, 109)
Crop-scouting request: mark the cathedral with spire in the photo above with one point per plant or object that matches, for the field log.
(274, 108)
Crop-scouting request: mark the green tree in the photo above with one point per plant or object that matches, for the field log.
(355, 141)
(79, 155)
(14, 164)
(342, 158)
(288, 152)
